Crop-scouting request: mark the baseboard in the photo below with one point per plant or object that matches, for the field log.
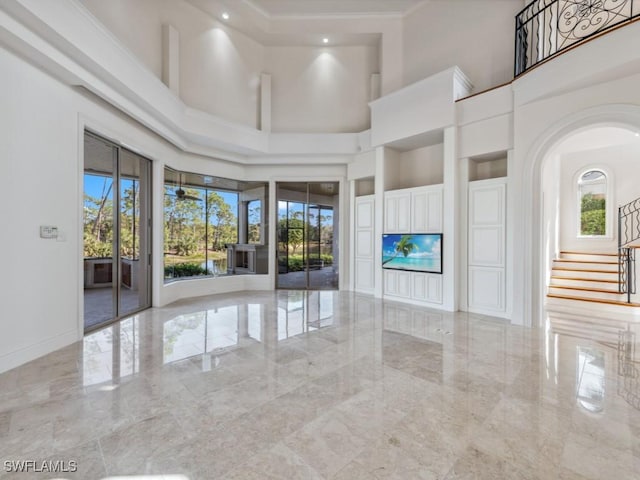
(23, 355)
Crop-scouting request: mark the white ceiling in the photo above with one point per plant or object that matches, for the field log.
(343, 22)
(304, 8)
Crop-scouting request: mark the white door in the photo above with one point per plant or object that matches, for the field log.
(364, 262)
(487, 241)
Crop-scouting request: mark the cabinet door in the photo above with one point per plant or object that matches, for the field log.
(390, 282)
(419, 286)
(404, 213)
(397, 212)
(426, 210)
(390, 214)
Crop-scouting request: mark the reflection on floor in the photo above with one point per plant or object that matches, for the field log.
(98, 304)
(331, 385)
(325, 277)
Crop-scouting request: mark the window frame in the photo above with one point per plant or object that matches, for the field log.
(609, 202)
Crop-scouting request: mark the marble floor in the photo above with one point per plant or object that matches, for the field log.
(329, 385)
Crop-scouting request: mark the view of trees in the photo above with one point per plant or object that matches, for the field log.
(293, 234)
(196, 231)
(592, 215)
(98, 219)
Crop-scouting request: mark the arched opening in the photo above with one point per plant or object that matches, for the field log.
(584, 176)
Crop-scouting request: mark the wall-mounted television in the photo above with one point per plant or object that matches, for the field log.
(416, 252)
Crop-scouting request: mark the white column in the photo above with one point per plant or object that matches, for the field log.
(378, 221)
(171, 58)
(265, 102)
(450, 240)
(463, 228)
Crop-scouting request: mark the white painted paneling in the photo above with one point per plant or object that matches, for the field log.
(404, 284)
(486, 288)
(390, 282)
(419, 212)
(434, 288)
(426, 210)
(487, 246)
(419, 286)
(364, 275)
(364, 243)
(486, 204)
(364, 213)
(434, 211)
(364, 263)
(397, 210)
(397, 283)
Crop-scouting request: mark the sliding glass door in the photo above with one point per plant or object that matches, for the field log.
(308, 235)
(117, 232)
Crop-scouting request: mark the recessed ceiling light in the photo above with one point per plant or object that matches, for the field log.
(225, 16)
(325, 40)
(637, 134)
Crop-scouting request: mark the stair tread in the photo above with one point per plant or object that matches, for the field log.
(593, 300)
(589, 253)
(595, 262)
(565, 269)
(586, 289)
(583, 279)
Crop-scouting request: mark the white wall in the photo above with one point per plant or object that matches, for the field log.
(476, 36)
(422, 166)
(41, 133)
(324, 89)
(320, 89)
(219, 67)
(621, 162)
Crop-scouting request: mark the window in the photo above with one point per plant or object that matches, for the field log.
(592, 197)
(202, 215)
(199, 221)
(254, 221)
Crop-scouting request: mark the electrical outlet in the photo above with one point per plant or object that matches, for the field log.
(47, 231)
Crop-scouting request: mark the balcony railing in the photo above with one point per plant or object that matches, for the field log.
(545, 28)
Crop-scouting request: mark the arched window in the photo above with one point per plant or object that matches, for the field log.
(592, 197)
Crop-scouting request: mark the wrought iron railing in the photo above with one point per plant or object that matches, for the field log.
(545, 28)
(628, 232)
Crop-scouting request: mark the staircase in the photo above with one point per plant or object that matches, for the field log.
(587, 277)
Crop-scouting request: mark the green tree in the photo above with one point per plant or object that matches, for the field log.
(222, 221)
(592, 215)
(294, 233)
(404, 246)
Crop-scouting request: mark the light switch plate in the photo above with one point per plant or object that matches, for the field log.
(47, 231)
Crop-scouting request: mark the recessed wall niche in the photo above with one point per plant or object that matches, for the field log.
(484, 167)
(414, 168)
(365, 186)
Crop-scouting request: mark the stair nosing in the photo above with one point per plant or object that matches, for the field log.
(593, 300)
(595, 262)
(586, 289)
(613, 272)
(579, 279)
(589, 253)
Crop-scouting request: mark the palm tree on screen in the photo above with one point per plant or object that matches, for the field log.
(404, 246)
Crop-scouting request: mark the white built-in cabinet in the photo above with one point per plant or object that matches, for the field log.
(364, 263)
(487, 246)
(397, 212)
(413, 210)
